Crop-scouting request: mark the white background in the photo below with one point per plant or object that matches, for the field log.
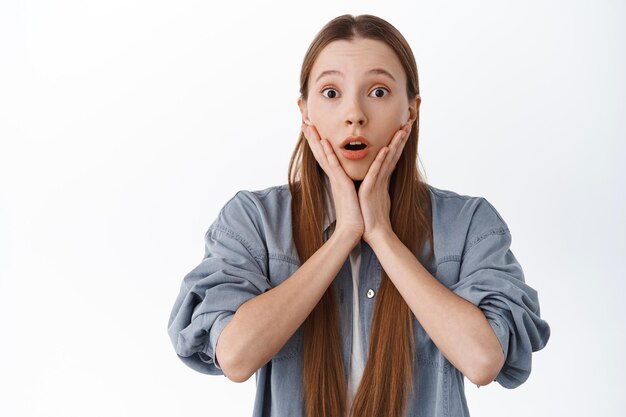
(126, 125)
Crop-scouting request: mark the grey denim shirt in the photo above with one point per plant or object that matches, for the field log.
(249, 250)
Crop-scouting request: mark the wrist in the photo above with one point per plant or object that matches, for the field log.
(379, 236)
(350, 237)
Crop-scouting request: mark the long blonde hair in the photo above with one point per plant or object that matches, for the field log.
(388, 374)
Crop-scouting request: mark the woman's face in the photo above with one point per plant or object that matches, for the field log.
(354, 100)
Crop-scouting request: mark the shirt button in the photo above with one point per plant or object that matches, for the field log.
(370, 293)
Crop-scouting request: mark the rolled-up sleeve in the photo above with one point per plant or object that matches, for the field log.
(232, 272)
(492, 279)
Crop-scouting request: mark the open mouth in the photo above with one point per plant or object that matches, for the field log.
(355, 147)
(355, 150)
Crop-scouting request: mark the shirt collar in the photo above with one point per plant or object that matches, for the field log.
(329, 216)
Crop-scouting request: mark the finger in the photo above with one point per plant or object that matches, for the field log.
(398, 146)
(330, 154)
(395, 150)
(407, 127)
(324, 154)
(313, 139)
(374, 171)
(333, 161)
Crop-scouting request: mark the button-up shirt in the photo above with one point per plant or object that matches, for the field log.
(249, 250)
(357, 360)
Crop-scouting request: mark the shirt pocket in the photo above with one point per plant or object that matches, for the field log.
(447, 271)
(281, 267)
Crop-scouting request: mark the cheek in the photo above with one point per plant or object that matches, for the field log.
(322, 119)
(319, 113)
(398, 111)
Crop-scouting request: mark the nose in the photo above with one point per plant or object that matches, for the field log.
(358, 121)
(355, 114)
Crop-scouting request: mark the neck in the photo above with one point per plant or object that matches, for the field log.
(357, 184)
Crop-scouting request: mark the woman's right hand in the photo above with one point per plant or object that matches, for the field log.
(347, 207)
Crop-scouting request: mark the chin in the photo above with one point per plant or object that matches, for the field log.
(356, 173)
(356, 177)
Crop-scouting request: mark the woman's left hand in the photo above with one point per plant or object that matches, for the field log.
(373, 192)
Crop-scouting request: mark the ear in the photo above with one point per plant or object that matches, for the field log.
(304, 111)
(414, 108)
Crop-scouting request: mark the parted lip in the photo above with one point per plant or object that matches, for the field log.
(354, 139)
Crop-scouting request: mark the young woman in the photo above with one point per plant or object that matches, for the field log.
(357, 289)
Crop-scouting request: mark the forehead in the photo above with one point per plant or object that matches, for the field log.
(357, 57)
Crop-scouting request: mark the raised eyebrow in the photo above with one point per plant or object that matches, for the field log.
(378, 71)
